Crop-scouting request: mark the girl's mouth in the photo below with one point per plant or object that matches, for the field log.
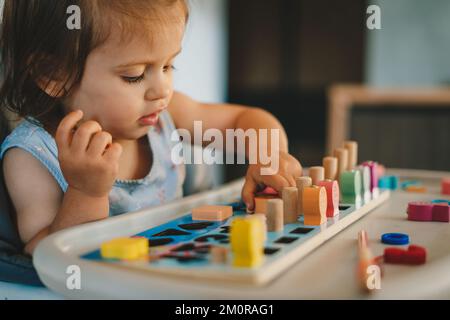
(150, 119)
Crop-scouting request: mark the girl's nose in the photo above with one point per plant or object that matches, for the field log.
(158, 89)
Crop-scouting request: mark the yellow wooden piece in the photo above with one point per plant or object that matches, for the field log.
(247, 242)
(125, 248)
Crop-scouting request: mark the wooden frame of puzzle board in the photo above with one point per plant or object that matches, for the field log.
(100, 279)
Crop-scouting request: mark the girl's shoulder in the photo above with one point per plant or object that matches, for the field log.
(29, 136)
(34, 139)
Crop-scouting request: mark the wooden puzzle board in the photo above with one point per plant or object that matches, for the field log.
(327, 272)
(186, 250)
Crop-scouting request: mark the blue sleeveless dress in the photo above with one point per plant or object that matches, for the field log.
(162, 184)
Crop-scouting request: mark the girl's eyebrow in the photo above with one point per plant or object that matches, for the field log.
(143, 62)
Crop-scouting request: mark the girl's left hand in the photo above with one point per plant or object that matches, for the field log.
(289, 168)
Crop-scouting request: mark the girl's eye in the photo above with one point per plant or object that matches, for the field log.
(169, 67)
(133, 79)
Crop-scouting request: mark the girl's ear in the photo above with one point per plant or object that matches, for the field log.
(53, 88)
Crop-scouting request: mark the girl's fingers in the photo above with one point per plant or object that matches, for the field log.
(248, 193)
(64, 132)
(99, 143)
(83, 135)
(275, 181)
(298, 171)
(113, 152)
(290, 178)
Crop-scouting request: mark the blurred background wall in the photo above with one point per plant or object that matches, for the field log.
(413, 46)
(202, 73)
(285, 55)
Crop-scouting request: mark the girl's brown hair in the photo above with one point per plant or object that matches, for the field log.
(37, 46)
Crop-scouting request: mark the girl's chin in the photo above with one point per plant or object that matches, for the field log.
(132, 134)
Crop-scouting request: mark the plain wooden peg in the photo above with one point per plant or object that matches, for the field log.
(352, 147)
(275, 215)
(317, 174)
(301, 183)
(331, 167)
(342, 155)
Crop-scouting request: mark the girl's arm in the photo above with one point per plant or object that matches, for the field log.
(185, 111)
(40, 205)
(89, 161)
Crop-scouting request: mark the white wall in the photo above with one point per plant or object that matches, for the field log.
(202, 72)
(202, 66)
(413, 46)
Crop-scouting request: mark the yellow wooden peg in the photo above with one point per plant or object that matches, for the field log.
(247, 242)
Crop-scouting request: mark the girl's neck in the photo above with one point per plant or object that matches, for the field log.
(136, 159)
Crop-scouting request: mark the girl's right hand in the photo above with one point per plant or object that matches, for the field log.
(88, 158)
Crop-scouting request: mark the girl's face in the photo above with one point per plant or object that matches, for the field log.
(126, 85)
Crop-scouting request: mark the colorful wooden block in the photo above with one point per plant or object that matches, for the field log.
(350, 185)
(261, 199)
(247, 242)
(441, 212)
(314, 205)
(427, 211)
(330, 165)
(275, 217)
(413, 256)
(407, 183)
(373, 168)
(332, 189)
(440, 201)
(445, 186)
(352, 148)
(301, 183)
(269, 191)
(365, 183)
(212, 213)
(290, 196)
(125, 248)
(381, 170)
(388, 182)
(420, 211)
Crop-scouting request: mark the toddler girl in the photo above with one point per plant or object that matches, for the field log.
(98, 110)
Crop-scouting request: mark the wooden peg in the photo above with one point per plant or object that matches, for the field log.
(261, 199)
(290, 195)
(301, 183)
(317, 174)
(342, 155)
(352, 147)
(331, 166)
(275, 215)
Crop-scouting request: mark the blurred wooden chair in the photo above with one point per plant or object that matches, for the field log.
(407, 127)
